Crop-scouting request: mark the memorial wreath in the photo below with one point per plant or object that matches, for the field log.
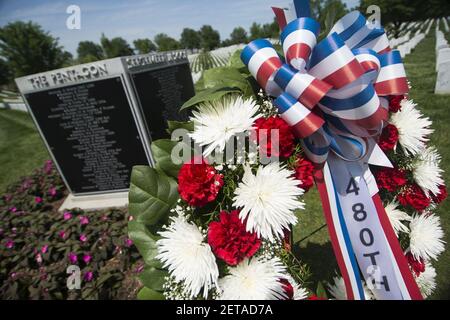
(212, 219)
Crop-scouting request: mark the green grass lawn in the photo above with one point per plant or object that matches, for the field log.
(21, 147)
(22, 150)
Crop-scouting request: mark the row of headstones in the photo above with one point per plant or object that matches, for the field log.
(10, 100)
(447, 29)
(223, 54)
(442, 60)
(405, 44)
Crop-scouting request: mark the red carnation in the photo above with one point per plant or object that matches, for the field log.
(286, 137)
(304, 171)
(390, 179)
(418, 266)
(442, 194)
(314, 297)
(229, 240)
(415, 197)
(287, 288)
(199, 184)
(394, 103)
(389, 138)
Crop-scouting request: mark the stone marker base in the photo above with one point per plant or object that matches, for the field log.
(95, 202)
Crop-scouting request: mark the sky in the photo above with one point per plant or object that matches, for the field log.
(133, 19)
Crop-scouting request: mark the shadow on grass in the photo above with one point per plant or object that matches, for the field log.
(320, 258)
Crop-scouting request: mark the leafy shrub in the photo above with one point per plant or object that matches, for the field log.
(38, 243)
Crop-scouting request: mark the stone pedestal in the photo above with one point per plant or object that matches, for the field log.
(95, 202)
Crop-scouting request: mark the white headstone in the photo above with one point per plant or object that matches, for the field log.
(446, 25)
(443, 55)
(443, 78)
(441, 45)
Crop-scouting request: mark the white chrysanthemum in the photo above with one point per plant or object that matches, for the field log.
(426, 236)
(426, 281)
(215, 123)
(187, 257)
(254, 279)
(338, 291)
(300, 293)
(268, 200)
(426, 171)
(396, 217)
(412, 126)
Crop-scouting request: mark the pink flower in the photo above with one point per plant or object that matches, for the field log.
(139, 268)
(84, 220)
(13, 210)
(38, 200)
(39, 258)
(73, 258)
(48, 166)
(87, 258)
(83, 238)
(44, 249)
(9, 244)
(67, 215)
(26, 184)
(88, 276)
(128, 242)
(52, 192)
(62, 234)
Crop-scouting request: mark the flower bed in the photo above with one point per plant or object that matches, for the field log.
(38, 243)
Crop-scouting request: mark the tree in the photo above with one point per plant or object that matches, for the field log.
(28, 49)
(89, 51)
(190, 39)
(270, 30)
(166, 43)
(115, 47)
(330, 11)
(396, 12)
(226, 43)
(5, 72)
(143, 46)
(210, 38)
(238, 35)
(392, 11)
(255, 31)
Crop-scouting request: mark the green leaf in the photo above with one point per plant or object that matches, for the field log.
(161, 151)
(145, 242)
(173, 125)
(153, 278)
(151, 195)
(149, 294)
(235, 60)
(225, 77)
(209, 94)
(320, 292)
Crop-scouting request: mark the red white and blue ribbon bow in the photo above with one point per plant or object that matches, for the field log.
(334, 95)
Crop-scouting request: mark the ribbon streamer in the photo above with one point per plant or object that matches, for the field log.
(334, 94)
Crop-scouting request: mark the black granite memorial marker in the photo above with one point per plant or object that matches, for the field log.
(162, 83)
(90, 128)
